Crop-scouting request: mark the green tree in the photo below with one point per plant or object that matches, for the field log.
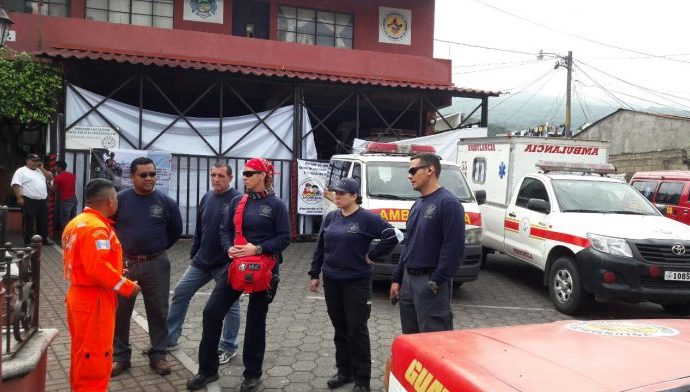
(29, 90)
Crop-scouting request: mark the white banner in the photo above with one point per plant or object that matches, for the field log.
(395, 26)
(114, 164)
(86, 138)
(181, 139)
(207, 11)
(311, 179)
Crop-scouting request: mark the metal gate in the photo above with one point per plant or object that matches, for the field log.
(189, 180)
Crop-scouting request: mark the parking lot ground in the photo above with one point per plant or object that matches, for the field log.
(300, 350)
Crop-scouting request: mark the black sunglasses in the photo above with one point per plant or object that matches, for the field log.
(250, 173)
(144, 175)
(413, 170)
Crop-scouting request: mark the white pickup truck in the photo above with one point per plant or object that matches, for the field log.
(591, 235)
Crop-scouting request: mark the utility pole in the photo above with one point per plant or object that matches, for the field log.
(569, 66)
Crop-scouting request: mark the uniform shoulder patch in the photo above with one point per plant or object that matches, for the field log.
(103, 244)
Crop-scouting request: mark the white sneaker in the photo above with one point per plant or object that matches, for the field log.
(226, 356)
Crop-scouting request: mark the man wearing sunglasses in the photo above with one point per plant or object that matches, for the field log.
(432, 251)
(148, 222)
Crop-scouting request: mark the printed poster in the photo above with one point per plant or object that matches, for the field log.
(395, 26)
(82, 137)
(207, 11)
(311, 179)
(113, 164)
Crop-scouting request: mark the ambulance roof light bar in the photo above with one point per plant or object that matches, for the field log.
(402, 149)
(585, 168)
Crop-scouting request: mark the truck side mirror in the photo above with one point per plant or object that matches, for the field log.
(480, 196)
(538, 205)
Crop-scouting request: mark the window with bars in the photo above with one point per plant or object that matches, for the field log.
(49, 7)
(156, 13)
(315, 27)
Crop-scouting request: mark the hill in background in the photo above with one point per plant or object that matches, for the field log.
(512, 113)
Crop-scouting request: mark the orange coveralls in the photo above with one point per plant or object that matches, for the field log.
(93, 265)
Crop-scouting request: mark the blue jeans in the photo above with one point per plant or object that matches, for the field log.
(192, 280)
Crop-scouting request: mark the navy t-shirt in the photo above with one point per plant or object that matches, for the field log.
(435, 237)
(207, 251)
(344, 242)
(147, 224)
(265, 222)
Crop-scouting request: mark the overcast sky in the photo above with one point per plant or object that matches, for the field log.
(658, 27)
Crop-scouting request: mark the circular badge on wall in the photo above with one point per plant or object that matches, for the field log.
(395, 25)
(623, 328)
(311, 190)
(109, 142)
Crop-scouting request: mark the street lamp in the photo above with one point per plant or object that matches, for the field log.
(5, 23)
(567, 62)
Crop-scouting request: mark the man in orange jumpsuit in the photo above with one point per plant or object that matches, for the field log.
(93, 265)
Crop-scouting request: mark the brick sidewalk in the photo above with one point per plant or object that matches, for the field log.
(52, 307)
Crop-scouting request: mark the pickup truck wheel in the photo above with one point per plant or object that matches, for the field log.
(566, 288)
(677, 309)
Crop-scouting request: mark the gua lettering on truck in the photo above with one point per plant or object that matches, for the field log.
(421, 379)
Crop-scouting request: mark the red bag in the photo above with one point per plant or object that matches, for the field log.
(249, 274)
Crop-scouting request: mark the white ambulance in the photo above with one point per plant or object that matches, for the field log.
(381, 170)
(550, 205)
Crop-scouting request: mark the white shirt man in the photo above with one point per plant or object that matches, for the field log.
(29, 184)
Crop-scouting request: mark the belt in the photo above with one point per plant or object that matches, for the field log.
(142, 258)
(419, 271)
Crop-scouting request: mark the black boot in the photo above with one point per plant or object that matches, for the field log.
(338, 381)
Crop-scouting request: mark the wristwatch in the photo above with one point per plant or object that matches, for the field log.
(259, 250)
(432, 286)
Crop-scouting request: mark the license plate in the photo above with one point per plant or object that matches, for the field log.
(677, 275)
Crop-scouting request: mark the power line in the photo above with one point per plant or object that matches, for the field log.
(646, 89)
(530, 98)
(522, 89)
(487, 64)
(579, 36)
(498, 68)
(559, 103)
(647, 100)
(485, 47)
(606, 91)
(579, 101)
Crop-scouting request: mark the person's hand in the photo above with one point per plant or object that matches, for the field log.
(20, 202)
(242, 250)
(136, 289)
(395, 291)
(314, 285)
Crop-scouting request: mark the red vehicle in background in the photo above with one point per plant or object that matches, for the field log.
(668, 190)
(570, 355)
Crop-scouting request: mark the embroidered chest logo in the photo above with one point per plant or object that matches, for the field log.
(430, 211)
(353, 228)
(225, 209)
(156, 211)
(265, 211)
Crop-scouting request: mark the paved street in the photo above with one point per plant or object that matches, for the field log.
(300, 352)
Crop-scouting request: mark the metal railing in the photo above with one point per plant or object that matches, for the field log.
(20, 273)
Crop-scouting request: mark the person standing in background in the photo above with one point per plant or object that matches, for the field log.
(63, 184)
(30, 187)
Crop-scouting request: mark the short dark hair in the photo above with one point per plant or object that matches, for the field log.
(228, 169)
(62, 165)
(428, 159)
(96, 189)
(140, 161)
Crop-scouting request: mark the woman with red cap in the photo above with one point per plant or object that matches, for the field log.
(266, 227)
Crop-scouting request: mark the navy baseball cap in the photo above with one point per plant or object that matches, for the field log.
(33, 157)
(346, 185)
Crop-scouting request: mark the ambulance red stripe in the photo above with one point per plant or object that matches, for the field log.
(560, 237)
(511, 225)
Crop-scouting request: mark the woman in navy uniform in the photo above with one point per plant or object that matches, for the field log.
(344, 256)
